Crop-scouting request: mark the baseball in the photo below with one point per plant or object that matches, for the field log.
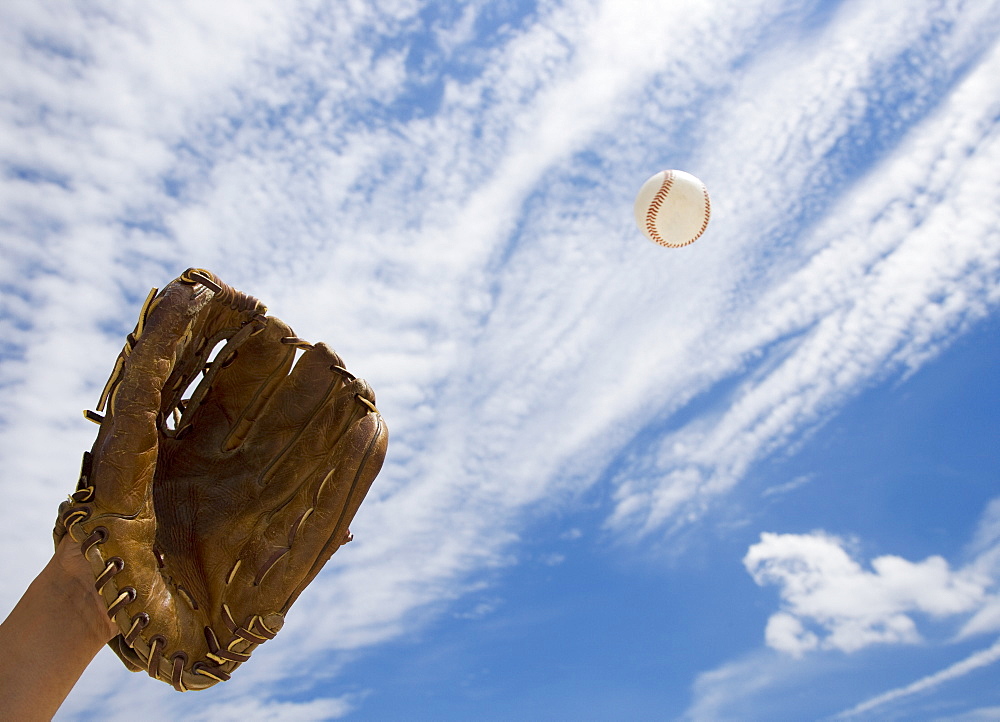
(672, 208)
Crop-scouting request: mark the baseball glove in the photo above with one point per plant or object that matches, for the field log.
(204, 518)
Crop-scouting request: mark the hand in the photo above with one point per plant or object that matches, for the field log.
(51, 636)
(71, 581)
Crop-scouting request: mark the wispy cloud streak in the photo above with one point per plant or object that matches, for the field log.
(902, 262)
(971, 663)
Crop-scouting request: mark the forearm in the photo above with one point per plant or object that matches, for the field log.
(51, 636)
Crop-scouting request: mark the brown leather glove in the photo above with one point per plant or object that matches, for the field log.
(205, 518)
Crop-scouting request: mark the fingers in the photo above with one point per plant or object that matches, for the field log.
(301, 397)
(244, 379)
(325, 443)
(127, 442)
(339, 498)
(314, 521)
(160, 357)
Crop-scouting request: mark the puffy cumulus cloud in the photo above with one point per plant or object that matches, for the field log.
(832, 602)
(787, 633)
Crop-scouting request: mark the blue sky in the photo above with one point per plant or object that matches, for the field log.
(754, 478)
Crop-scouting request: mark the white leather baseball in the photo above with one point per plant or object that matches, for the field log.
(672, 208)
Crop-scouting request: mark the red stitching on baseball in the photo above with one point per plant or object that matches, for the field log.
(654, 207)
(657, 203)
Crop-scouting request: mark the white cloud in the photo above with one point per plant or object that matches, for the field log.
(831, 602)
(480, 610)
(986, 620)
(971, 663)
(785, 632)
(983, 714)
(788, 486)
(314, 710)
(740, 689)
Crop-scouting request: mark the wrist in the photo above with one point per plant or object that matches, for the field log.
(50, 636)
(69, 578)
